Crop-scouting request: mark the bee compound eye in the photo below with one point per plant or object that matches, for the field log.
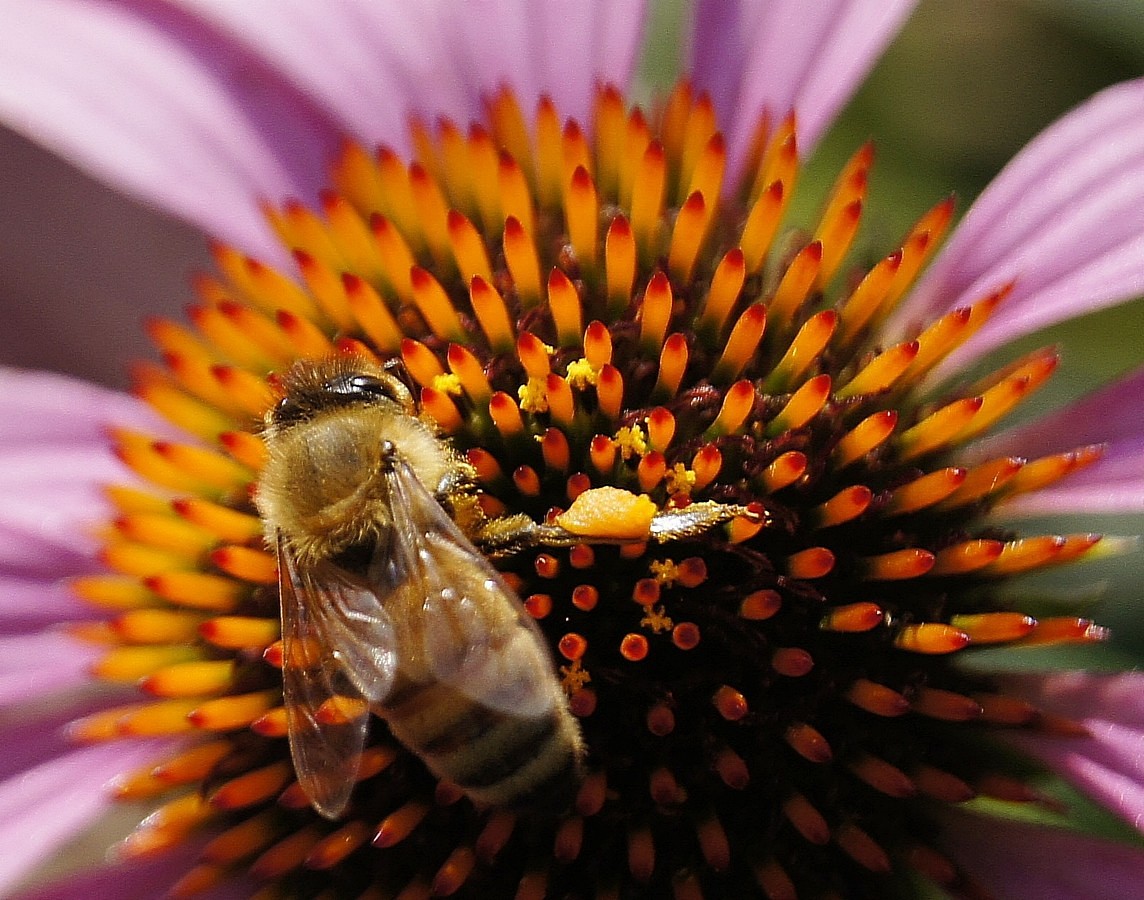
(287, 411)
(359, 386)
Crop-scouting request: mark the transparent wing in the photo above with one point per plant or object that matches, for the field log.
(474, 632)
(338, 656)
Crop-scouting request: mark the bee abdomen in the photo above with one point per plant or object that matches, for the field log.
(496, 758)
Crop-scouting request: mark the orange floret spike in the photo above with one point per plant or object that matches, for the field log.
(947, 706)
(533, 355)
(761, 226)
(561, 403)
(846, 505)
(1024, 554)
(397, 259)
(862, 848)
(968, 556)
(239, 632)
(931, 638)
(492, 314)
(938, 430)
(470, 373)
(435, 306)
(637, 139)
(482, 173)
(877, 699)
(804, 404)
(882, 776)
(655, 313)
(1042, 472)
(737, 405)
(741, 344)
(620, 265)
(806, 820)
(1019, 384)
(597, 345)
(371, 313)
(808, 742)
(350, 234)
(707, 175)
(897, 565)
(515, 196)
(581, 212)
(510, 128)
(554, 449)
(420, 362)
(802, 353)
(468, 247)
(308, 341)
(794, 287)
(1064, 630)
(687, 236)
(564, 301)
(726, 284)
(815, 562)
(864, 437)
(439, 406)
(647, 199)
(984, 480)
(779, 162)
(784, 471)
(549, 154)
(853, 617)
(609, 131)
(925, 491)
(506, 415)
(432, 215)
(610, 391)
(399, 203)
(994, 628)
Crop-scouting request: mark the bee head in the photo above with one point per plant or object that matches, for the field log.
(343, 381)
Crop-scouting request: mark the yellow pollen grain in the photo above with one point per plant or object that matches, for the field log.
(533, 396)
(631, 441)
(680, 481)
(582, 373)
(574, 677)
(657, 620)
(665, 571)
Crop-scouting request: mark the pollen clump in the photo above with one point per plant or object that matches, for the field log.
(609, 514)
(605, 330)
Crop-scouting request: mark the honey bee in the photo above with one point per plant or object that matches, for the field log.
(388, 606)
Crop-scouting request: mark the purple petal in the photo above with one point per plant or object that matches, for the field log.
(754, 58)
(141, 878)
(1064, 221)
(162, 106)
(43, 807)
(1018, 861)
(32, 665)
(55, 408)
(1114, 484)
(31, 604)
(1108, 765)
(374, 63)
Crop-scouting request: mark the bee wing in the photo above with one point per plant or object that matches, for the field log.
(475, 633)
(338, 656)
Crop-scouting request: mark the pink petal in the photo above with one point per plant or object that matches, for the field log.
(55, 408)
(1114, 484)
(30, 604)
(1109, 764)
(32, 665)
(141, 878)
(753, 57)
(160, 105)
(1018, 861)
(1064, 220)
(43, 807)
(374, 63)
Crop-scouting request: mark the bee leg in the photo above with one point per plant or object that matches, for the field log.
(505, 536)
(683, 523)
